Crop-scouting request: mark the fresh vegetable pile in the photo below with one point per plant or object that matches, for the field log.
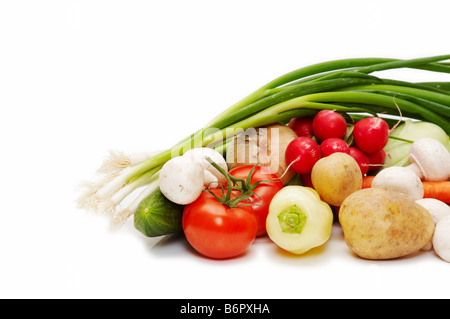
(330, 142)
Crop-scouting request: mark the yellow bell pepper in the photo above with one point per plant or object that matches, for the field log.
(298, 219)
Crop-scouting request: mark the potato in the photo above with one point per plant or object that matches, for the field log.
(335, 177)
(381, 224)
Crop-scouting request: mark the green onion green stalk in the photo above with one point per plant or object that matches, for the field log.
(347, 86)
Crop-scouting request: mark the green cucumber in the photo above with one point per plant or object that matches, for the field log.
(157, 216)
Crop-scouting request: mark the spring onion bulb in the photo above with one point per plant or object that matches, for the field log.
(346, 86)
(116, 161)
(121, 217)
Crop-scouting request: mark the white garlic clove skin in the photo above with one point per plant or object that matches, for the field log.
(441, 239)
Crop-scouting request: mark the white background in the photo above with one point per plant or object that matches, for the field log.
(80, 78)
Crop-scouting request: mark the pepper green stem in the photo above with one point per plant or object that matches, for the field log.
(292, 219)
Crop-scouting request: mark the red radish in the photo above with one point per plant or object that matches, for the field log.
(376, 160)
(329, 123)
(371, 134)
(361, 159)
(301, 154)
(306, 180)
(332, 145)
(302, 126)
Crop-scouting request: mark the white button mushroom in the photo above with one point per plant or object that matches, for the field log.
(430, 160)
(212, 177)
(438, 209)
(183, 178)
(181, 181)
(441, 239)
(399, 179)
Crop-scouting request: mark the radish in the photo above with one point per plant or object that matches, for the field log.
(302, 126)
(332, 145)
(306, 180)
(376, 160)
(301, 154)
(329, 123)
(371, 134)
(361, 159)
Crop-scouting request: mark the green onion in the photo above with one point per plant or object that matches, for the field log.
(347, 86)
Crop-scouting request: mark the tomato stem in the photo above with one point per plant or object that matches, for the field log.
(243, 186)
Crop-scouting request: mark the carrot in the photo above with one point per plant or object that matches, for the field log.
(437, 190)
(367, 181)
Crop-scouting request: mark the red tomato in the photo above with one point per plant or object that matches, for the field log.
(218, 231)
(264, 192)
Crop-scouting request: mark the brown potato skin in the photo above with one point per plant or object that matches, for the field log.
(335, 177)
(380, 224)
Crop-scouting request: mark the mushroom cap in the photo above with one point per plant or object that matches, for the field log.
(431, 158)
(438, 209)
(441, 238)
(399, 179)
(181, 181)
(212, 177)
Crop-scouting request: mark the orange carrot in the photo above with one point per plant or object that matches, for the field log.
(367, 181)
(437, 190)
